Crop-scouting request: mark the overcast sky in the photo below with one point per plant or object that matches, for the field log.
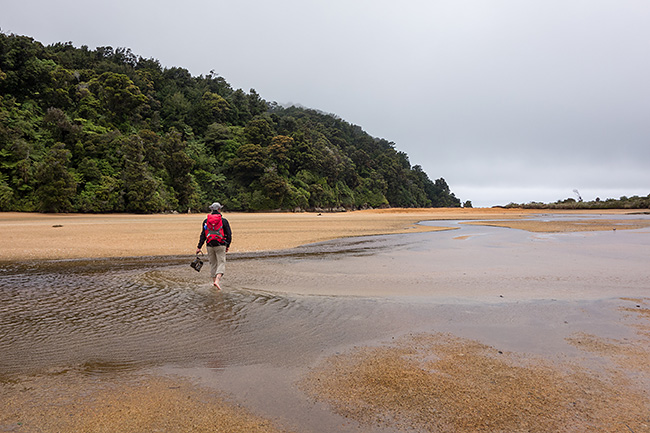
(508, 100)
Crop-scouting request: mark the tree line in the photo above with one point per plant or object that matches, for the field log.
(624, 202)
(105, 130)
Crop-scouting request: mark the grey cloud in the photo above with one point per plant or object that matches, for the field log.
(531, 99)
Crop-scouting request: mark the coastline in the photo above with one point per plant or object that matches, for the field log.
(34, 236)
(478, 346)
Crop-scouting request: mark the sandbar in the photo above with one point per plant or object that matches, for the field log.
(478, 387)
(36, 236)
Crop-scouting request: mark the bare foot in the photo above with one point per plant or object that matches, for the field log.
(217, 280)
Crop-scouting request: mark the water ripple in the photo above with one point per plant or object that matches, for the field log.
(129, 316)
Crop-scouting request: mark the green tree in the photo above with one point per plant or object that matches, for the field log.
(121, 97)
(250, 162)
(61, 127)
(102, 195)
(6, 194)
(216, 136)
(143, 193)
(140, 137)
(179, 164)
(278, 153)
(259, 131)
(56, 187)
(212, 108)
(276, 188)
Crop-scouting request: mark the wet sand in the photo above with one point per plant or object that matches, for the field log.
(32, 236)
(439, 382)
(83, 403)
(570, 225)
(469, 380)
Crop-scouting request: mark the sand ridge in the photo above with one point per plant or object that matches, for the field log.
(428, 382)
(439, 383)
(34, 236)
(581, 225)
(81, 402)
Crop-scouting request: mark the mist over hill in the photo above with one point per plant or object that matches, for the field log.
(106, 130)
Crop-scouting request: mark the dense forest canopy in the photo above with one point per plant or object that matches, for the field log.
(106, 130)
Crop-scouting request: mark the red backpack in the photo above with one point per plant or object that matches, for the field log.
(213, 228)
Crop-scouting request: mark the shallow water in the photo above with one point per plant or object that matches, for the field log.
(129, 313)
(470, 264)
(280, 312)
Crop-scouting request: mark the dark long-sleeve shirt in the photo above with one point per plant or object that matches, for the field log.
(227, 234)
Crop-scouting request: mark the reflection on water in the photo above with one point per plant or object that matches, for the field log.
(134, 315)
(106, 315)
(473, 263)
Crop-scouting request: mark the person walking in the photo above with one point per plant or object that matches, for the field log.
(216, 234)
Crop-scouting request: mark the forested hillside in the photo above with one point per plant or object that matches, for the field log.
(105, 130)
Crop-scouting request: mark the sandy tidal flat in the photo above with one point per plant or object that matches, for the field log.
(373, 373)
(32, 236)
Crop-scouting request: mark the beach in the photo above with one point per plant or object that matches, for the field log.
(352, 321)
(69, 236)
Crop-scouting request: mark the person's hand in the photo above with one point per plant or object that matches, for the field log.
(198, 250)
(227, 248)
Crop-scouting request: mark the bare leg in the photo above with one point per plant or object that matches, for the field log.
(217, 279)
